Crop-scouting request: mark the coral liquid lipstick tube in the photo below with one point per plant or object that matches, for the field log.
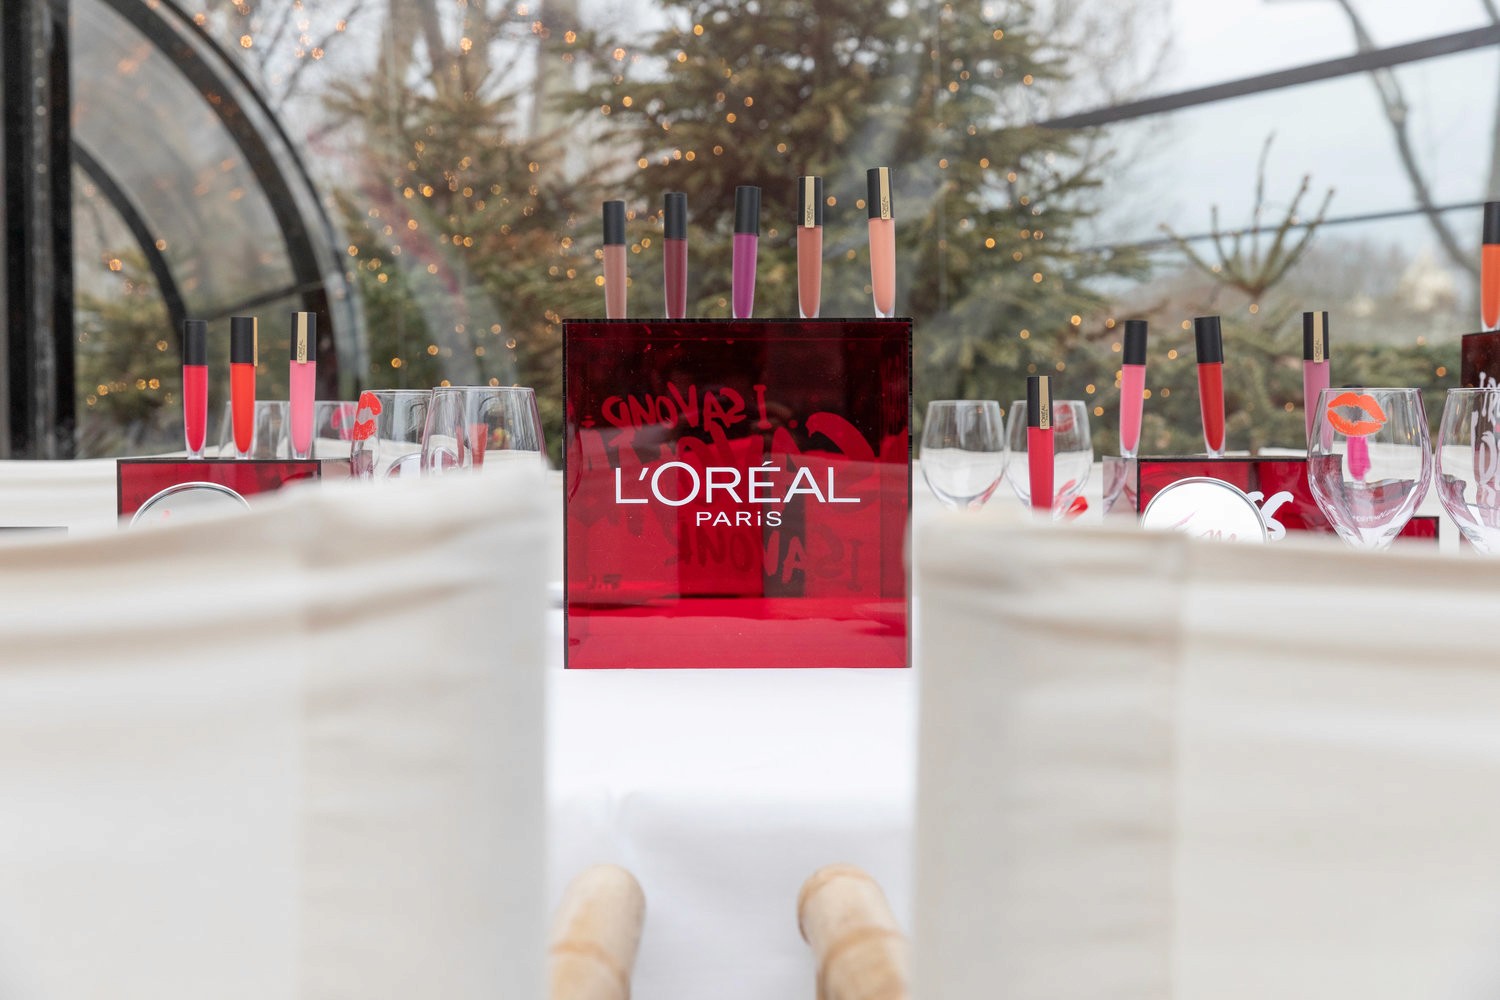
(1132, 387)
(1489, 269)
(746, 242)
(674, 249)
(1210, 344)
(1315, 366)
(303, 382)
(614, 260)
(809, 246)
(242, 355)
(1039, 440)
(882, 241)
(195, 385)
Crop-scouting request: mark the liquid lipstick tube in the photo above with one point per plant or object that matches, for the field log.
(1132, 387)
(194, 385)
(1315, 365)
(1210, 344)
(882, 241)
(746, 242)
(1039, 440)
(675, 247)
(243, 332)
(809, 246)
(303, 382)
(614, 260)
(1489, 269)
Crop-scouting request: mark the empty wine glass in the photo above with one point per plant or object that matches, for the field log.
(1368, 459)
(386, 433)
(333, 428)
(1072, 452)
(963, 450)
(1468, 465)
(471, 427)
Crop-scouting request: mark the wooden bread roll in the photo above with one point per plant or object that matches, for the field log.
(860, 952)
(595, 934)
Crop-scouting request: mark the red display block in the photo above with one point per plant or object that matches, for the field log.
(1479, 360)
(737, 492)
(139, 481)
(1285, 497)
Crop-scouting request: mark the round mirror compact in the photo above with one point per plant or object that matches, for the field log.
(188, 502)
(1205, 508)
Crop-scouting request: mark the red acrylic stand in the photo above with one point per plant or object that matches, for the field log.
(737, 492)
(1479, 358)
(1140, 479)
(140, 479)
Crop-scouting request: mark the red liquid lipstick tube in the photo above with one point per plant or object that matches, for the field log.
(1132, 387)
(1315, 364)
(1210, 344)
(195, 385)
(746, 240)
(882, 241)
(614, 260)
(242, 354)
(1489, 269)
(674, 249)
(1039, 463)
(809, 246)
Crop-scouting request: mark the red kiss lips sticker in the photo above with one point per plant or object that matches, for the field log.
(1367, 407)
(368, 404)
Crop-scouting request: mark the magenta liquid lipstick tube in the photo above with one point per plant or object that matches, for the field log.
(1132, 387)
(303, 382)
(746, 240)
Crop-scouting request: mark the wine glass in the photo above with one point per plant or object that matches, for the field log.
(386, 433)
(471, 427)
(333, 427)
(963, 450)
(1368, 460)
(1072, 452)
(1468, 465)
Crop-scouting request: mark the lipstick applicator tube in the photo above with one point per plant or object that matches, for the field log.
(746, 245)
(1039, 440)
(1489, 269)
(882, 241)
(194, 385)
(614, 260)
(1209, 339)
(243, 332)
(809, 246)
(1315, 364)
(1132, 387)
(303, 382)
(675, 251)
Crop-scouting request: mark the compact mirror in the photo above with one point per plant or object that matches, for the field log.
(1205, 508)
(188, 502)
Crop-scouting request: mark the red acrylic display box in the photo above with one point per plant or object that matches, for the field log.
(1130, 484)
(737, 492)
(140, 480)
(1479, 360)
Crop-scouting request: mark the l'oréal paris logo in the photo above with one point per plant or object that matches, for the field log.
(728, 484)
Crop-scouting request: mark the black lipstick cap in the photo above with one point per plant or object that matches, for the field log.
(194, 342)
(1039, 401)
(614, 223)
(1135, 342)
(242, 346)
(1210, 340)
(674, 215)
(1492, 222)
(1315, 336)
(809, 201)
(878, 199)
(747, 210)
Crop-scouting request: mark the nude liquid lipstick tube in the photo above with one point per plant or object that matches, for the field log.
(746, 241)
(1315, 365)
(1039, 440)
(195, 385)
(1210, 344)
(614, 260)
(882, 241)
(303, 382)
(809, 246)
(242, 355)
(1489, 269)
(1132, 387)
(674, 249)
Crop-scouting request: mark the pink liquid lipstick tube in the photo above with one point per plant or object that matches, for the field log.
(882, 241)
(809, 246)
(1132, 387)
(1039, 446)
(302, 382)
